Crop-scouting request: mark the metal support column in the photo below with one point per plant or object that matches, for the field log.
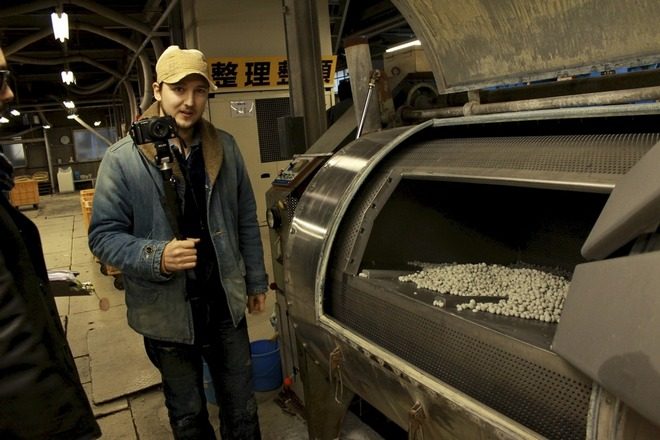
(49, 160)
(304, 55)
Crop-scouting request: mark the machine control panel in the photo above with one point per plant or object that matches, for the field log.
(301, 166)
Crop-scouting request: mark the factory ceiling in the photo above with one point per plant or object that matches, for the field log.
(109, 39)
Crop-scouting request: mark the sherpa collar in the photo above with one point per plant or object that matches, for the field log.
(212, 147)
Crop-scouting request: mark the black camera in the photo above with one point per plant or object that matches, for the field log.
(153, 130)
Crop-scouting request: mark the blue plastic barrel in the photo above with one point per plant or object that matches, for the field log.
(266, 367)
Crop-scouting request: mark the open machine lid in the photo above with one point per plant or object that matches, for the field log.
(632, 209)
(473, 44)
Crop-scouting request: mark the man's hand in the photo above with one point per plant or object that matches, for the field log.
(256, 303)
(179, 255)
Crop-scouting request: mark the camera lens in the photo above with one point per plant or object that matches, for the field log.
(160, 130)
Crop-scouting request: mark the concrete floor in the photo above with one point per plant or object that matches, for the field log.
(123, 387)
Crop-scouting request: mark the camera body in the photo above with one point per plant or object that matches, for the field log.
(153, 130)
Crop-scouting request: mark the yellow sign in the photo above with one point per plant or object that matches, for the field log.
(239, 73)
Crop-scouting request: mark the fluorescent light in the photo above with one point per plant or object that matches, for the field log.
(3, 120)
(60, 26)
(404, 46)
(69, 104)
(15, 112)
(68, 77)
(72, 116)
(97, 123)
(47, 126)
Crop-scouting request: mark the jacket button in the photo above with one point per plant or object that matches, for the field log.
(149, 249)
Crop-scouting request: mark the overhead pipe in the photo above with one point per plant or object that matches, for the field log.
(132, 101)
(57, 102)
(48, 108)
(122, 19)
(89, 5)
(42, 117)
(148, 94)
(61, 60)
(89, 128)
(108, 13)
(26, 41)
(12, 139)
(379, 28)
(583, 100)
(151, 9)
(77, 89)
(94, 88)
(144, 60)
(344, 14)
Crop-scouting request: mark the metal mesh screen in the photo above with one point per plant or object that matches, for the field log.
(291, 203)
(268, 110)
(350, 231)
(580, 155)
(545, 401)
(584, 154)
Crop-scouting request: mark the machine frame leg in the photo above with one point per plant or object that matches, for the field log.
(324, 412)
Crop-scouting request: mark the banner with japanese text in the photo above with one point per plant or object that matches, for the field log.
(257, 73)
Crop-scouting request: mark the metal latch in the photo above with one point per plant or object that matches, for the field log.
(416, 416)
(335, 361)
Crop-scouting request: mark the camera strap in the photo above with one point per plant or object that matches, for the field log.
(171, 205)
(185, 172)
(169, 199)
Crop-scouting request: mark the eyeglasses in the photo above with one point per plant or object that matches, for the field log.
(4, 79)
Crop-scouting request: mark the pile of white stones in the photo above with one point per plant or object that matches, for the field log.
(529, 292)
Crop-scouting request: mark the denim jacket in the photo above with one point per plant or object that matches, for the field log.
(129, 230)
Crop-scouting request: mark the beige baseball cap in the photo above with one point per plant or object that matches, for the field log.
(175, 64)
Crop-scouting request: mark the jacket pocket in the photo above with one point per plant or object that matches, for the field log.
(140, 292)
(235, 285)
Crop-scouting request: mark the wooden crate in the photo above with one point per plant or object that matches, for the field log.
(44, 182)
(86, 204)
(25, 192)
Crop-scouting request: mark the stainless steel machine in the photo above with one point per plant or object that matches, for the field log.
(564, 183)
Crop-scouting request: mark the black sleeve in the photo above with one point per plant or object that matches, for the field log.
(40, 392)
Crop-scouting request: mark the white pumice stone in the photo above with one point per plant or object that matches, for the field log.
(530, 292)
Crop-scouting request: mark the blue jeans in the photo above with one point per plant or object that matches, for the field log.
(226, 350)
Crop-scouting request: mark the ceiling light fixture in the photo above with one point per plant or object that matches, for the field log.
(15, 112)
(47, 126)
(3, 120)
(60, 26)
(97, 123)
(72, 116)
(69, 104)
(68, 77)
(404, 46)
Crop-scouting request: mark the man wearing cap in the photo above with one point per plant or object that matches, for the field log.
(186, 296)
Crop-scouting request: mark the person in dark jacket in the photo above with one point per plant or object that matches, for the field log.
(40, 392)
